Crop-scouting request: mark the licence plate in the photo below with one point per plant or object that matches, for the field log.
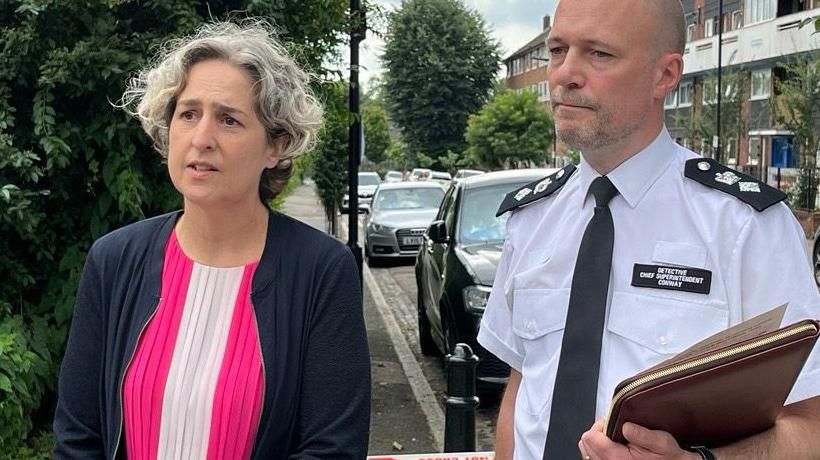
(411, 241)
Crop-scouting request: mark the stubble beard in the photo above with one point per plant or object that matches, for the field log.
(599, 133)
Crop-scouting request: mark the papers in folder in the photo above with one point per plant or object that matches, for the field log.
(724, 388)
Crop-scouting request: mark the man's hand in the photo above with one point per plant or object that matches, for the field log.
(643, 444)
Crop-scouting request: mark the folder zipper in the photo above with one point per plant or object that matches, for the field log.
(705, 360)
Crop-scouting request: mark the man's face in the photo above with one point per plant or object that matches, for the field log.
(601, 71)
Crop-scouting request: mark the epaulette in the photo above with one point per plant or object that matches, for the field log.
(535, 190)
(746, 188)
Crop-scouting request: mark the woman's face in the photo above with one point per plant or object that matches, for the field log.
(217, 146)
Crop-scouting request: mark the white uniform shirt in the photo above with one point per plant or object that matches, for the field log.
(758, 261)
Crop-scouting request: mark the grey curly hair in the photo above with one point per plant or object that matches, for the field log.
(284, 101)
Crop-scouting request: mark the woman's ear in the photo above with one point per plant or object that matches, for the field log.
(274, 151)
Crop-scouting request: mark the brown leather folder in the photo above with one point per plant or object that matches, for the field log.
(720, 396)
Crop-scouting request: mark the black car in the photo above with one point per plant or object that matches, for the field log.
(456, 265)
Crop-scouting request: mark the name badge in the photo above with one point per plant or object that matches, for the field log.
(686, 279)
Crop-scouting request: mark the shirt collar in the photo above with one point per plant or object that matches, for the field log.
(635, 176)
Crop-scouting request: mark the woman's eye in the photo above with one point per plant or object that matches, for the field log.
(230, 121)
(187, 115)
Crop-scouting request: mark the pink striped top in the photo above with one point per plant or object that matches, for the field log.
(194, 387)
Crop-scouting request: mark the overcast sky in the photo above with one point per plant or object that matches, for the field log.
(512, 22)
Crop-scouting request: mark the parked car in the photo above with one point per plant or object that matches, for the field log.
(368, 181)
(456, 265)
(462, 173)
(400, 213)
(393, 176)
(443, 178)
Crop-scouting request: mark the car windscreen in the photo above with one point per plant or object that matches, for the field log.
(369, 179)
(477, 221)
(408, 198)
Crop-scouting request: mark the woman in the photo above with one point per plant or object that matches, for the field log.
(223, 330)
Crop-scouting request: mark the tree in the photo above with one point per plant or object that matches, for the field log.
(797, 108)
(330, 158)
(512, 128)
(702, 121)
(376, 133)
(398, 154)
(73, 168)
(441, 64)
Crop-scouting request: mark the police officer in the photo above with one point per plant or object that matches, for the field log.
(695, 248)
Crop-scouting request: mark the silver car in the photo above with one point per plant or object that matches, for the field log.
(400, 213)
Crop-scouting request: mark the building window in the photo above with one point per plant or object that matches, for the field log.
(731, 151)
(685, 94)
(543, 91)
(754, 150)
(671, 100)
(710, 91)
(758, 11)
(690, 32)
(737, 19)
(709, 27)
(761, 84)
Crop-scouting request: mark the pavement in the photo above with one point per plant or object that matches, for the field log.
(399, 423)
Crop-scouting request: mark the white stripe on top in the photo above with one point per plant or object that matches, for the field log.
(197, 360)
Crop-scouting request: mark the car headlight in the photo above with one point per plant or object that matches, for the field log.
(475, 298)
(379, 228)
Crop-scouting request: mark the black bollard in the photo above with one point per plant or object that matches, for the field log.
(461, 400)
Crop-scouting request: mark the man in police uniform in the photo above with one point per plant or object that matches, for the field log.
(697, 247)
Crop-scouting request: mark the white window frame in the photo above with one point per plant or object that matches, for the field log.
(763, 91)
(708, 27)
(712, 99)
(543, 91)
(671, 99)
(756, 11)
(690, 91)
(690, 33)
(737, 19)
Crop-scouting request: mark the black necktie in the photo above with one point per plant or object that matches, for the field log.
(576, 383)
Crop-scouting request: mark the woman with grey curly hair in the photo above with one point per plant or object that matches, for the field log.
(216, 331)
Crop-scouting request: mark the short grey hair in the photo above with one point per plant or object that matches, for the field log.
(284, 101)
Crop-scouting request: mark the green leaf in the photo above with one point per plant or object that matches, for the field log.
(5, 383)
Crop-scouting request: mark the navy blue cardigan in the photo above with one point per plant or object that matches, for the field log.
(308, 303)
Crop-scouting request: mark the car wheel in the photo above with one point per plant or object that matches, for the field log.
(426, 343)
(816, 259)
(372, 262)
(449, 334)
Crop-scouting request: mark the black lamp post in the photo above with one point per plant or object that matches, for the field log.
(719, 88)
(357, 34)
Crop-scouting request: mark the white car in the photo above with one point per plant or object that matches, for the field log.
(368, 181)
(393, 176)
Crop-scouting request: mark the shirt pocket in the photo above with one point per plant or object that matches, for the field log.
(538, 319)
(662, 327)
(683, 254)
